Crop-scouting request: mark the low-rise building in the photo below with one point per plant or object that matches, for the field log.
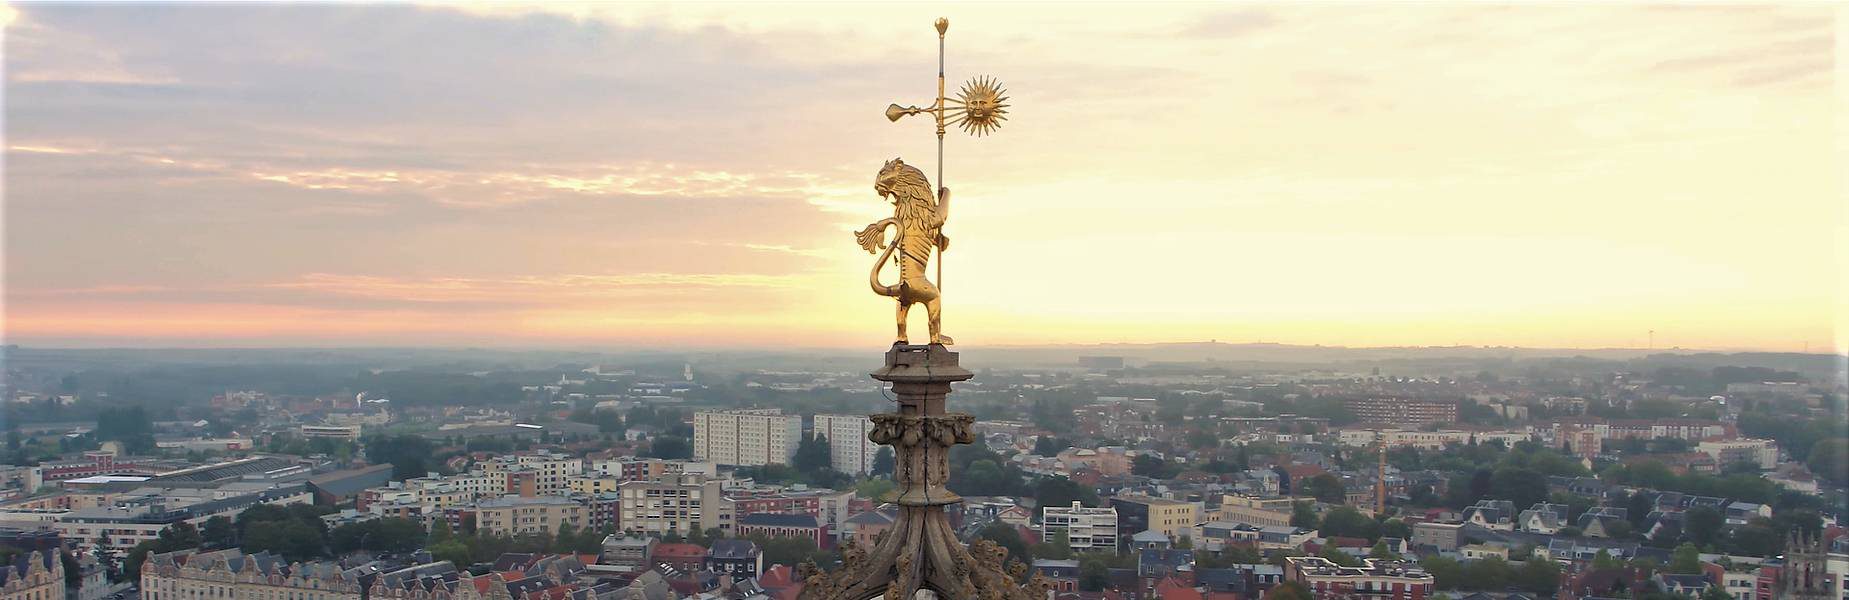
(627, 551)
(1380, 579)
(741, 559)
(772, 525)
(1443, 536)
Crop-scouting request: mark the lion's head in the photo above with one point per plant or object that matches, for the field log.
(899, 182)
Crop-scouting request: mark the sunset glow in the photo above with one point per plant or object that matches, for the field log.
(1548, 175)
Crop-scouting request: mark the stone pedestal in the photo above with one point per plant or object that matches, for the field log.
(921, 551)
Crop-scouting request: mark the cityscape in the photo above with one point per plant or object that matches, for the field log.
(1112, 476)
(1249, 301)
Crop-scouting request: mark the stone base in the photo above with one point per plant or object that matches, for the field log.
(921, 551)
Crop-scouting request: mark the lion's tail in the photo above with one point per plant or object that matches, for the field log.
(874, 278)
(874, 236)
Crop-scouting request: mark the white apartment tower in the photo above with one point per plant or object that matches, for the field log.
(849, 450)
(746, 438)
(1086, 528)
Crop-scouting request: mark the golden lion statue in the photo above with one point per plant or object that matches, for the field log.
(920, 220)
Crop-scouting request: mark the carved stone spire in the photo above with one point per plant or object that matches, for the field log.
(921, 551)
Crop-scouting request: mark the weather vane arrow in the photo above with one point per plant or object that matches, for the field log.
(979, 108)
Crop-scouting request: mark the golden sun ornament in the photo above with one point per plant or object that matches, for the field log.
(982, 106)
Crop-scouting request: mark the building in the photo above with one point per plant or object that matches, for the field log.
(1498, 515)
(35, 575)
(828, 506)
(339, 432)
(1401, 411)
(627, 551)
(1760, 453)
(515, 515)
(139, 518)
(772, 525)
(193, 575)
(741, 559)
(592, 484)
(1255, 511)
(549, 473)
(1085, 528)
(339, 487)
(1380, 579)
(684, 558)
(1170, 518)
(630, 467)
(1443, 536)
(849, 450)
(753, 437)
(677, 504)
(93, 463)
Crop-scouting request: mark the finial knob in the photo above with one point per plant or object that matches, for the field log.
(942, 25)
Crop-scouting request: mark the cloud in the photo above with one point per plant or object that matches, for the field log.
(697, 165)
(1231, 23)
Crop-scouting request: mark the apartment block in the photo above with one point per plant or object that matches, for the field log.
(1401, 411)
(1086, 528)
(514, 515)
(849, 450)
(550, 473)
(753, 437)
(673, 503)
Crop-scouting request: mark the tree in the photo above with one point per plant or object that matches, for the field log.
(293, 540)
(1604, 560)
(1539, 576)
(1094, 573)
(566, 540)
(1479, 487)
(1703, 525)
(1303, 514)
(1058, 548)
(1058, 491)
(1686, 560)
(670, 447)
(1345, 521)
(1381, 551)
(179, 535)
(1148, 465)
(1522, 486)
(218, 532)
(1006, 536)
(1446, 573)
(410, 455)
(440, 532)
(1715, 592)
(1337, 556)
(455, 551)
(812, 454)
(883, 461)
(1829, 459)
(877, 490)
(785, 550)
(1047, 445)
(1325, 487)
(1289, 590)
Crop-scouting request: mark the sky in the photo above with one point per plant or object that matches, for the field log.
(690, 175)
